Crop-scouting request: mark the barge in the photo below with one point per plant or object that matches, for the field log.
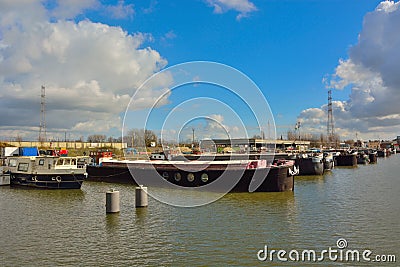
(346, 160)
(310, 165)
(244, 175)
(373, 157)
(329, 163)
(362, 158)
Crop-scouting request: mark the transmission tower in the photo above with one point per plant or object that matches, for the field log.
(330, 126)
(42, 128)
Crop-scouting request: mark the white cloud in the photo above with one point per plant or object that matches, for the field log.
(68, 9)
(170, 35)
(372, 71)
(90, 70)
(314, 120)
(151, 8)
(121, 10)
(215, 127)
(167, 38)
(244, 7)
(217, 117)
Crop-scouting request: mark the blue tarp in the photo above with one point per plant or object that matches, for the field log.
(28, 151)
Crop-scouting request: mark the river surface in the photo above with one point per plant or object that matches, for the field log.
(71, 228)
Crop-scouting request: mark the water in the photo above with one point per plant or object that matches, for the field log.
(71, 228)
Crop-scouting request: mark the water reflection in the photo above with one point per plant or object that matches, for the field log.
(141, 215)
(317, 179)
(359, 204)
(112, 222)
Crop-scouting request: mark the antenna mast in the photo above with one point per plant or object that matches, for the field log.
(330, 126)
(42, 128)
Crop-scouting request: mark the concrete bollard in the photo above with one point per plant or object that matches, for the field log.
(112, 201)
(141, 196)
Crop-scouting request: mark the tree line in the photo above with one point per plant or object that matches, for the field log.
(133, 138)
(315, 139)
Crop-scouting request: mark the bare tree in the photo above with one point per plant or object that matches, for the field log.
(291, 135)
(96, 138)
(140, 137)
(149, 137)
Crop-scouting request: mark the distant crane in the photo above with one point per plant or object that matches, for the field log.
(42, 127)
(330, 125)
(297, 128)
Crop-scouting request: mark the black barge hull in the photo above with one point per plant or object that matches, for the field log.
(44, 181)
(308, 166)
(373, 158)
(278, 179)
(346, 160)
(328, 165)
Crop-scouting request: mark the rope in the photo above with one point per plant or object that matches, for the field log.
(76, 180)
(111, 175)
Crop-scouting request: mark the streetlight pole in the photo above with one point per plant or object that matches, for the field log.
(193, 136)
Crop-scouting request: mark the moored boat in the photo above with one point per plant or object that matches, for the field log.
(362, 157)
(383, 153)
(346, 160)
(4, 176)
(309, 163)
(276, 176)
(328, 161)
(47, 172)
(373, 158)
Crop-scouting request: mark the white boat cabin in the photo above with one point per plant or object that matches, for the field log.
(46, 163)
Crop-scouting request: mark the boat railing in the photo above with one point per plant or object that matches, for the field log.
(71, 162)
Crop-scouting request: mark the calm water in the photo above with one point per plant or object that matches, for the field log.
(70, 228)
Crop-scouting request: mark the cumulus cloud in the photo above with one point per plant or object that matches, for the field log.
(211, 126)
(68, 9)
(215, 127)
(90, 70)
(244, 7)
(217, 117)
(372, 72)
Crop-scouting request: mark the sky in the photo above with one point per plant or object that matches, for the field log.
(94, 57)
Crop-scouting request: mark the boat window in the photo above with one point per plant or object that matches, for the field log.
(60, 162)
(81, 162)
(204, 177)
(12, 163)
(165, 175)
(177, 176)
(190, 177)
(67, 161)
(23, 167)
(73, 161)
(41, 162)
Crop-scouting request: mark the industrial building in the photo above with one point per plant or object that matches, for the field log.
(250, 145)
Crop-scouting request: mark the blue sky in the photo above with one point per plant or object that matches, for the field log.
(91, 55)
(286, 47)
